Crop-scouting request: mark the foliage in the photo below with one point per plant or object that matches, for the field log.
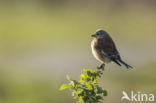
(87, 90)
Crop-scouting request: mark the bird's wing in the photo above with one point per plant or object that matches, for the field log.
(109, 47)
(109, 50)
(110, 57)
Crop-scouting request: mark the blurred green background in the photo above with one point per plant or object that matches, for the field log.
(43, 40)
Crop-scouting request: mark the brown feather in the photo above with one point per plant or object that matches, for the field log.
(107, 45)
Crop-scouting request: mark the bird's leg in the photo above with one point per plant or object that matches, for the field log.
(101, 66)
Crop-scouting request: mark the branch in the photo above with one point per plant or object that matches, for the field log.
(87, 90)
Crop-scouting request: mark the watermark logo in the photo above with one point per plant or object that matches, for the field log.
(137, 96)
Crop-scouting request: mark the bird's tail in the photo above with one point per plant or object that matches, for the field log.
(116, 61)
(125, 64)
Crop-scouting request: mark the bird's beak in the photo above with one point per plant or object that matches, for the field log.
(93, 35)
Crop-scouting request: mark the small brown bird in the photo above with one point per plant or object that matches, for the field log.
(104, 49)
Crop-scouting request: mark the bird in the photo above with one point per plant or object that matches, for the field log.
(104, 49)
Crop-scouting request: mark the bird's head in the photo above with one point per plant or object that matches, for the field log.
(100, 34)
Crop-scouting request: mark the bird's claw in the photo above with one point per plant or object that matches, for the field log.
(101, 66)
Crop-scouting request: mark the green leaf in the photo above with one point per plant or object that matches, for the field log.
(89, 86)
(65, 86)
(99, 90)
(89, 73)
(105, 93)
(86, 70)
(82, 78)
(99, 97)
(87, 89)
(69, 78)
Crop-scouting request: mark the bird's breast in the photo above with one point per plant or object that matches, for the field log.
(96, 52)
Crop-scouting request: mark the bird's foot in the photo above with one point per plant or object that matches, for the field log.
(101, 66)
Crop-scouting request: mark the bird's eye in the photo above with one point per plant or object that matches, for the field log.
(97, 34)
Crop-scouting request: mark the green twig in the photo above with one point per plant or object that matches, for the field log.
(87, 90)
